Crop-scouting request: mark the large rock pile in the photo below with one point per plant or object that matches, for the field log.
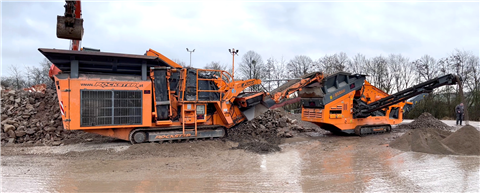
(34, 118)
(264, 133)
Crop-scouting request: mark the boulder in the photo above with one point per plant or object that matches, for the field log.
(9, 121)
(56, 143)
(30, 131)
(49, 129)
(20, 133)
(11, 134)
(21, 128)
(8, 127)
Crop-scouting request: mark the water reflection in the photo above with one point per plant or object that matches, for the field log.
(315, 166)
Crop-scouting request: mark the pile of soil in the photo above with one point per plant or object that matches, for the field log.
(465, 141)
(264, 133)
(425, 120)
(33, 118)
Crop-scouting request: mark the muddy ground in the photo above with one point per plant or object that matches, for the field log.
(321, 163)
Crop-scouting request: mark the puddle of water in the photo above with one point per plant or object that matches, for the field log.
(315, 166)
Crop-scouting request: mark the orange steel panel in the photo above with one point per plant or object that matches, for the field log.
(151, 52)
(63, 100)
(160, 123)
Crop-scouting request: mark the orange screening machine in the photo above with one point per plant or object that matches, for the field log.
(348, 104)
(145, 98)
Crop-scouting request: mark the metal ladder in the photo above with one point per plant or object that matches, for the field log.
(181, 89)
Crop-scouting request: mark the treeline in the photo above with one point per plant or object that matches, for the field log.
(391, 73)
(26, 77)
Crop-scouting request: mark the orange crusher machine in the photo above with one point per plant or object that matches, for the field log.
(146, 98)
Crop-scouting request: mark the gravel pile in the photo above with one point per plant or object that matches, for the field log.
(425, 120)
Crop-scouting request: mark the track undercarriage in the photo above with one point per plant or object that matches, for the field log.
(143, 135)
(363, 130)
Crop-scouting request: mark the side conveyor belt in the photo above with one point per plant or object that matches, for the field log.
(425, 87)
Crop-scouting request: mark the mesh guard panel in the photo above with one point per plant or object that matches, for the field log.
(100, 108)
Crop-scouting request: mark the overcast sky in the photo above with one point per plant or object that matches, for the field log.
(272, 29)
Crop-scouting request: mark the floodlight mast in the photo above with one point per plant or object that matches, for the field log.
(233, 52)
(190, 56)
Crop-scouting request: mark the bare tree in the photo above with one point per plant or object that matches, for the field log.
(473, 66)
(465, 65)
(378, 72)
(252, 67)
(280, 72)
(300, 65)
(181, 63)
(426, 67)
(17, 77)
(473, 86)
(458, 62)
(334, 63)
(215, 66)
(358, 64)
(36, 75)
(400, 69)
(270, 71)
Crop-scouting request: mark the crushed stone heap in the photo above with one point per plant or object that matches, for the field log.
(33, 118)
(425, 120)
(264, 133)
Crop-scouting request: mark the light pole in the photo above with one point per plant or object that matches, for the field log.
(233, 52)
(190, 56)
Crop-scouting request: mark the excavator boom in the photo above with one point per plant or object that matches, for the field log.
(69, 26)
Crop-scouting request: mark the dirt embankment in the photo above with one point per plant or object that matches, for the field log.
(33, 118)
(430, 135)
